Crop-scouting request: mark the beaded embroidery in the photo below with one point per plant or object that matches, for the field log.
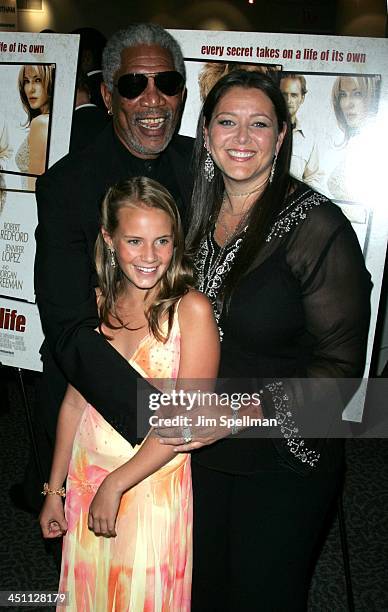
(211, 270)
(288, 428)
(290, 218)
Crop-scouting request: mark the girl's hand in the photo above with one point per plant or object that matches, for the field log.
(52, 517)
(104, 508)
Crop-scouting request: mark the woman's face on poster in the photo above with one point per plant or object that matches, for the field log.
(34, 89)
(352, 102)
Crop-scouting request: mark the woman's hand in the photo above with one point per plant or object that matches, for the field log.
(181, 445)
(205, 425)
(104, 508)
(52, 517)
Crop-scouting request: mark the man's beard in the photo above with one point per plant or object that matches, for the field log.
(170, 126)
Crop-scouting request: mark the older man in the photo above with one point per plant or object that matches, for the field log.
(143, 89)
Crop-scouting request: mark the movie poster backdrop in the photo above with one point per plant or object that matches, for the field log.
(37, 74)
(348, 164)
(341, 125)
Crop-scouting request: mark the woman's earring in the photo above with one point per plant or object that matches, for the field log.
(112, 258)
(208, 169)
(271, 175)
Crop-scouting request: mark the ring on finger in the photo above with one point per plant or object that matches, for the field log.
(186, 434)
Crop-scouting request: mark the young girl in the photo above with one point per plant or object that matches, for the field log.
(139, 497)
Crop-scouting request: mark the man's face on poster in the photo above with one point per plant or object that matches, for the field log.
(292, 93)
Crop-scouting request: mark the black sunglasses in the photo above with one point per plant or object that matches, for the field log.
(132, 85)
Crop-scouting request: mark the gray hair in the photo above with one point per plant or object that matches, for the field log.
(138, 34)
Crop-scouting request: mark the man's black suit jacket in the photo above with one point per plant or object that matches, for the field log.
(88, 121)
(68, 197)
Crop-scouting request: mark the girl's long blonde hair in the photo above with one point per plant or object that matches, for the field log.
(141, 192)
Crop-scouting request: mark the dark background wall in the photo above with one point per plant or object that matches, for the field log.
(356, 17)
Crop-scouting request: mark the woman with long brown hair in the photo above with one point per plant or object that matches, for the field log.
(284, 271)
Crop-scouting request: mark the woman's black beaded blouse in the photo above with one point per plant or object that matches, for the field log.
(300, 312)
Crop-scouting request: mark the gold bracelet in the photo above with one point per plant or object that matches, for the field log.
(48, 491)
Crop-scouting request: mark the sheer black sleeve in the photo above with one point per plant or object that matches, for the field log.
(324, 255)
